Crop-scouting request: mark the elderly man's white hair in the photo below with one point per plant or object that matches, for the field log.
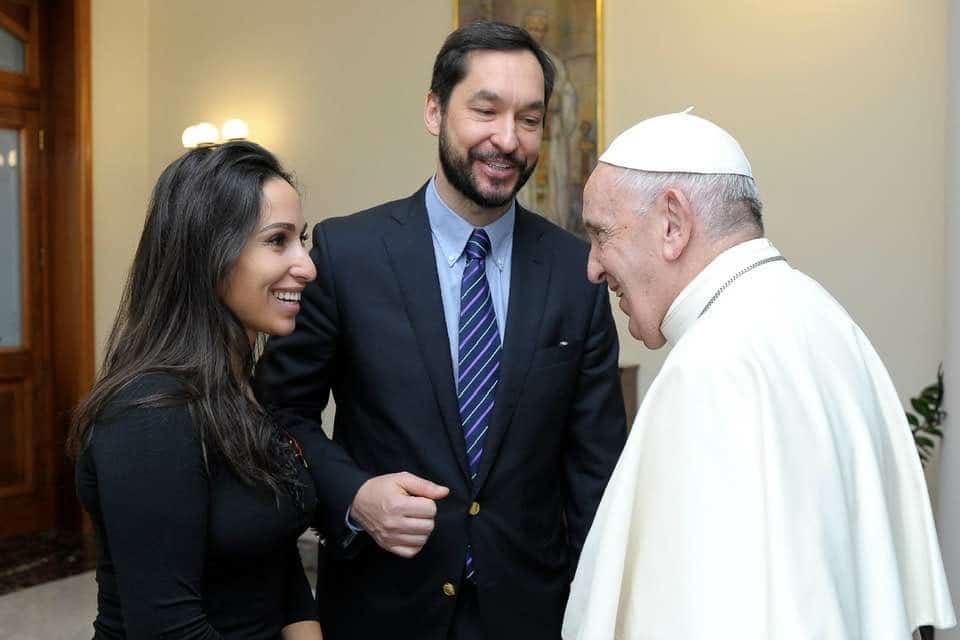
(726, 203)
(695, 156)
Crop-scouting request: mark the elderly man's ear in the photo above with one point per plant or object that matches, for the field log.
(677, 226)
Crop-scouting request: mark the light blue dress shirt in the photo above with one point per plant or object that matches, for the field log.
(450, 234)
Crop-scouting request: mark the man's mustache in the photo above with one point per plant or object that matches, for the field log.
(493, 156)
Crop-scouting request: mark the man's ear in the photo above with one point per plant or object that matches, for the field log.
(678, 225)
(432, 113)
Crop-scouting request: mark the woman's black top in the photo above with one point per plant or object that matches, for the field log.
(184, 552)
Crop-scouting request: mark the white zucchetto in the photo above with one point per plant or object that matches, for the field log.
(678, 143)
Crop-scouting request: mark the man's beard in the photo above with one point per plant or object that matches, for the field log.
(458, 171)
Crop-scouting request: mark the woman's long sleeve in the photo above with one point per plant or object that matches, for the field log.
(154, 498)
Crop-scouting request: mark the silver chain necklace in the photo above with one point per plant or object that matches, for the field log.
(737, 275)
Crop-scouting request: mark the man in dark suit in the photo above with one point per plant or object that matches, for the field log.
(474, 369)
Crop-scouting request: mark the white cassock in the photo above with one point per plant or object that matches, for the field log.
(770, 488)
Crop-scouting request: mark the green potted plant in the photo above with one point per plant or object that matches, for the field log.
(925, 426)
(925, 423)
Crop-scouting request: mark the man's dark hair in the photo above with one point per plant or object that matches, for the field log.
(451, 65)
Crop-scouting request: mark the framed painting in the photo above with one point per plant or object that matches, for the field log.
(571, 33)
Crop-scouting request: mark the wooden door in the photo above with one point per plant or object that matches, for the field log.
(28, 461)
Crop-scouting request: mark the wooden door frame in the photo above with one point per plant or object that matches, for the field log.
(69, 243)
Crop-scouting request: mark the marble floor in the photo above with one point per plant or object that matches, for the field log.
(47, 588)
(59, 610)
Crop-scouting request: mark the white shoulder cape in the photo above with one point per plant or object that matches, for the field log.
(770, 488)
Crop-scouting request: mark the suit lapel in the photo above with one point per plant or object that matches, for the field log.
(410, 248)
(529, 280)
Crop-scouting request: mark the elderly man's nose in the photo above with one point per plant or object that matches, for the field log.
(594, 269)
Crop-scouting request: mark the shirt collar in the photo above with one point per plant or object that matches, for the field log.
(688, 305)
(452, 231)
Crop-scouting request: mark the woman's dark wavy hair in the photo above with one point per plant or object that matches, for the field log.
(172, 318)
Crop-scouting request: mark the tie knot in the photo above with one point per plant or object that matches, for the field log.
(478, 246)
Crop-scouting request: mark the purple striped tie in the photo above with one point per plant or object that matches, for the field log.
(479, 356)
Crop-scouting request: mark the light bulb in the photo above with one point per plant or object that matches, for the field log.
(235, 129)
(206, 133)
(189, 137)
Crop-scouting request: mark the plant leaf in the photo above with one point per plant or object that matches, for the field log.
(925, 428)
(922, 408)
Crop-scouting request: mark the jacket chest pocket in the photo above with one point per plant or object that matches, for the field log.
(562, 352)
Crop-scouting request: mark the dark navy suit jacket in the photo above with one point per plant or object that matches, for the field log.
(371, 331)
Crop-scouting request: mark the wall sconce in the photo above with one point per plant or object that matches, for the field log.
(204, 133)
(235, 129)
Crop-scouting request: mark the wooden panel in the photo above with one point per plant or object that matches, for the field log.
(22, 19)
(11, 460)
(70, 206)
(16, 443)
(20, 99)
(19, 28)
(71, 202)
(15, 364)
(19, 14)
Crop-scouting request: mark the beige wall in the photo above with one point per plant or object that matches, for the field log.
(336, 89)
(120, 178)
(841, 111)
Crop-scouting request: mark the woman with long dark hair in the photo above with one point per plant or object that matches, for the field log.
(196, 496)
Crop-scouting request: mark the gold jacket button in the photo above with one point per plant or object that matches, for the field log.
(474, 508)
(449, 589)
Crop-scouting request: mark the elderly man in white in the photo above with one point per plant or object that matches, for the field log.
(770, 488)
